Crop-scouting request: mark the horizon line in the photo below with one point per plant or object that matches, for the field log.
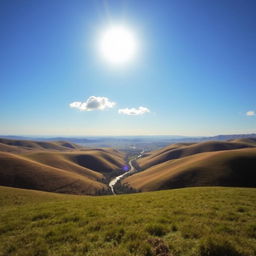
(137, 135)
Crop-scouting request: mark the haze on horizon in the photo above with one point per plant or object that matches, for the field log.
(127, 67)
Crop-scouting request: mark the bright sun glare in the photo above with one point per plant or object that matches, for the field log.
(118, 45)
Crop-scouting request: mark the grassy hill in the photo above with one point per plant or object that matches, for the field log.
(220, 168)
(188, 222)
(249, 141)
(59, 167)
(180, 150)
(19, 146)
(98, 160)
(18, 171)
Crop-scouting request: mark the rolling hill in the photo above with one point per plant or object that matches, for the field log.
(98, 160)
(180, 150)
(58, 167)
(18, 171)
(248, 141)
(20, 146)
(234, 168)
(69, 168)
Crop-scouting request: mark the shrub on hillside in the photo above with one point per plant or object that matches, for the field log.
(156, 229)
(215, 246)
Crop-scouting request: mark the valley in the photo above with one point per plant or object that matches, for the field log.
(65, 167)
(130, 170)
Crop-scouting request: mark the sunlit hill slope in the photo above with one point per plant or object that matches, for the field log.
(46, 166)
(220, 164)
(19, 146)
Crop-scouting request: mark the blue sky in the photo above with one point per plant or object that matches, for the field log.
(195, 69)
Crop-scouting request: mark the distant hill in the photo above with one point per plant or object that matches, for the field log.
(232, 136)
(141, 142)
(17, 146)
(248, 141)
(57, 166)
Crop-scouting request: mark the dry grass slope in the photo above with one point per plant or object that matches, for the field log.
(249, 141)
(180, 150)
(222, 168)
(18, 171)
(19, 146)
(58, 166)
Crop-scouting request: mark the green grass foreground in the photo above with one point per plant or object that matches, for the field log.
(206, 221)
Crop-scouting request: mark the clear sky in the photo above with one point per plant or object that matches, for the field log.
(194, 72)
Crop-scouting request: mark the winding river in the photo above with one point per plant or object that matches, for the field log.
(113, 182)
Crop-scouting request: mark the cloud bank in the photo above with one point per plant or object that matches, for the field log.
(251, 113)
(93, 103)
(133, 111)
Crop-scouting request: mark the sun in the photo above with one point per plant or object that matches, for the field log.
(118, 45)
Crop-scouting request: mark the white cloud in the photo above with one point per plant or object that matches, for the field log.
(133, 111)
(251, 113)
(93, 103)
(75, 104)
